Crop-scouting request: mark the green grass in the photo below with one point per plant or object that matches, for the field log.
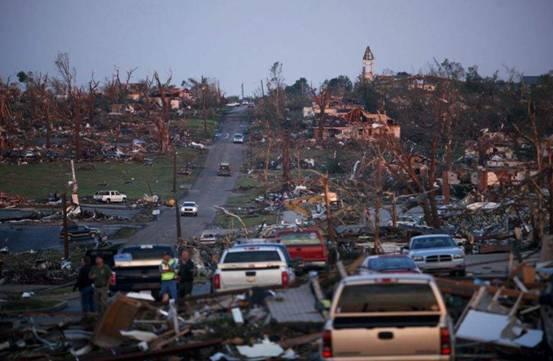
(225, 221)
(124, 232)
(35, 181)
(246, 183)
(251, 188)
(195, 127)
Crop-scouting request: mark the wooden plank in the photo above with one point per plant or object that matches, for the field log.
(467, 289)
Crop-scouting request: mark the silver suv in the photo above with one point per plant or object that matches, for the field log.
(437, 253)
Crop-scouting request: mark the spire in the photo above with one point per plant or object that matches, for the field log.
(368, 54)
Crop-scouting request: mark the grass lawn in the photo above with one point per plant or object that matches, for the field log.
(249, 190)
(195, 127)
(35, 181)
(225, 221)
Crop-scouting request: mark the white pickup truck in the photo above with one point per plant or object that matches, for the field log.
(392, 316)
(253, 266)
(110, 197)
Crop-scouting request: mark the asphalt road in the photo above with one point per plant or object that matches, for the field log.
(208, 191)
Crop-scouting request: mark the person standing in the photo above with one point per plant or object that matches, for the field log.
(186, 274)
(168, 269)
(100, 275)
(84, 285)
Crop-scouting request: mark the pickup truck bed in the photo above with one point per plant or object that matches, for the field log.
(259, 266)
(136, 268)
(388, 317)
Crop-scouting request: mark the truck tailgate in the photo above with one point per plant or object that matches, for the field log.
(307, 253)
(250, 276)
(386, 336)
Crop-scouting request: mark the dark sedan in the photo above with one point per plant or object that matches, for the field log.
(76, 232)
(393, 263)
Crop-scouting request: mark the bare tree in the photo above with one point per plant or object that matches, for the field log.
(162, 121)
(322, 99)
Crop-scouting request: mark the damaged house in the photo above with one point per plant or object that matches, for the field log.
(357, 124)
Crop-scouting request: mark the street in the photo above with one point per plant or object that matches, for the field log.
(208, 191)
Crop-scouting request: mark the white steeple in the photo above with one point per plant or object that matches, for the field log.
(368, 63)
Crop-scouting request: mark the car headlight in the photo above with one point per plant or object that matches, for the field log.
(418, 258)
(458, 256)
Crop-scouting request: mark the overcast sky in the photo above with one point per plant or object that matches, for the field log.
(237, 41)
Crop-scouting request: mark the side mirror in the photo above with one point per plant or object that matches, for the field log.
(405, 249)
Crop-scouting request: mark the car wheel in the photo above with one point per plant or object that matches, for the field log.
(108, 200)
(196, 214)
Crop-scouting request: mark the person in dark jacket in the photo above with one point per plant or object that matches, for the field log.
(186, 274)
(84, 285)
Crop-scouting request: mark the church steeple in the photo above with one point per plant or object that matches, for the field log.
(368, 63)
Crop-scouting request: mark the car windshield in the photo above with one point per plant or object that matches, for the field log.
(432, 242)
(391, 263)
(144, 253)
(290, 239)
(387, 297)
(189, 204)
(252, 257)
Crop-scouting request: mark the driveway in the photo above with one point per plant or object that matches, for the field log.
(208, 191)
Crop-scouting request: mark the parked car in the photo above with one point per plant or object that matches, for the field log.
(305, 246)
(189, 208)
(238, 138)
(392, 263)
(252, 266)
(110, 197)
(409, 221)
(437, 253)
(136, 268)
(77, 232)
(224, 170)
(198, 146)
(208, 237)
(388, 317)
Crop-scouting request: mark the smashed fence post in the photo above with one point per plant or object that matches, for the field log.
(341, 269)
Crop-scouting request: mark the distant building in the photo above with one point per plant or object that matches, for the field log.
(357, 125)
(368, 63)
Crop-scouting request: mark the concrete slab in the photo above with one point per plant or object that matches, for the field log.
(294, 305)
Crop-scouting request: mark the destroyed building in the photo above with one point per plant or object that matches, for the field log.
(357, 124)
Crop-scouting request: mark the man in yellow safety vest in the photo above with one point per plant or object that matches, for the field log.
(168, 269)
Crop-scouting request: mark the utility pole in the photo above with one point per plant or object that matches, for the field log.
(262, 89)
(242, 86)
(377, 205)
(175, 196)
(330, 228)
(65, 236)
(174, 171)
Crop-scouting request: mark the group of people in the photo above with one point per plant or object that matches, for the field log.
(93, 284)
(177, 277)
(177, 280)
